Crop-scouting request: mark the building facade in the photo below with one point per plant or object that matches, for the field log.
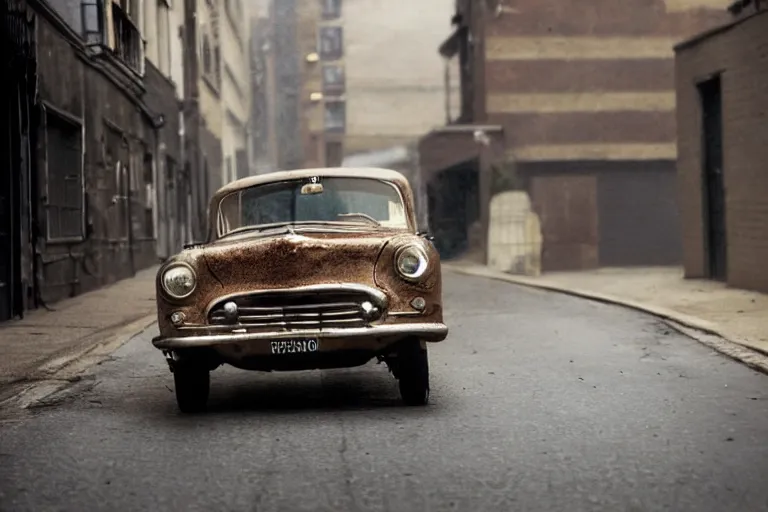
(84, 159)
(206, 119)
(163, 24)
(721, 76)
(393, 82)
(578, 105)
(235, 88)
(286, 61)
(338, 93)
(262, 128)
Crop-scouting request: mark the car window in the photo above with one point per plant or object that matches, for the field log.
(341, 200)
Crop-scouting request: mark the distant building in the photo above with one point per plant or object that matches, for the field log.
(389, 82)
(721, 101)
(573, 104)
(262, 125)
(352, 77)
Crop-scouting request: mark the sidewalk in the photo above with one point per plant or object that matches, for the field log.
(45, 341)
(736, 315)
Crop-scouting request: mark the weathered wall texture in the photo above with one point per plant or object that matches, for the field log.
(738, 52)
(235, 89)
(117, 238)
(514, 238)
(170, 216)
(395, 77)
(209, 88)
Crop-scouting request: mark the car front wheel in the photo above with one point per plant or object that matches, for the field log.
(413, 377)
(193, 384)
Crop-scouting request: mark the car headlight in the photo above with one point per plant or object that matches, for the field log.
(411, 262)
(179, 281)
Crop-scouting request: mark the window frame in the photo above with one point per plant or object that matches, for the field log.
(320, 38)
(163, 24)
(339, 101)
(77, 122)
(329, 88)
(334, 13)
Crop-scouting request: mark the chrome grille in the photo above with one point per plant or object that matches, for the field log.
(298, 310)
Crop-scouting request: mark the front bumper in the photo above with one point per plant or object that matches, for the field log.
(431, 332)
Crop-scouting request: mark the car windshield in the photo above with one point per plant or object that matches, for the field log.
(361, 201)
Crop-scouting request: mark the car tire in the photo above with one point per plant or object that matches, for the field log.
(193, 385)
(413, 366)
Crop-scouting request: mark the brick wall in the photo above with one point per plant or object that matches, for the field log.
(573, 80)
(740, 52)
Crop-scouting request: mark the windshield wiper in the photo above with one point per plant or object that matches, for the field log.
(362, 216)
(259, 228)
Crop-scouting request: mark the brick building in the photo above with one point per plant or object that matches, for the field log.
(722, 76)
(575, 104)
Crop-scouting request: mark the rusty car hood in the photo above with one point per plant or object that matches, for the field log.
(286, 260)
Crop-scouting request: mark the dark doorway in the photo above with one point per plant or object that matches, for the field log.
(714, 186)
(18, 65)
(9, 217)
(454, 207)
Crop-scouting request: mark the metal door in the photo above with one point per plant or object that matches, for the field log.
(714, 185)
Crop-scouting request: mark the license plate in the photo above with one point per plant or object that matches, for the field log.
(294, 346)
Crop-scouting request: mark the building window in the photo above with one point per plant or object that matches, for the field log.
(163, 37)
(335, 116)
(64, 201)
(126, 42)
(331, 9)
(331, 43)
(92, 19)
(333, 79)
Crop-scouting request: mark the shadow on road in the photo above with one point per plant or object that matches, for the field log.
(316, 392)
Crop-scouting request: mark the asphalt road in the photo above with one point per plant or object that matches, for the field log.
(540, 402)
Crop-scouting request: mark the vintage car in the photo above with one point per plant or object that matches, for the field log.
(304, 269)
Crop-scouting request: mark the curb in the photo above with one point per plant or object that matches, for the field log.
(58, 372)
(669, 315)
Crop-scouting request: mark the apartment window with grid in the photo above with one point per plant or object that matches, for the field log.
(333, 79)
(331, 43)
(335, 116)
(127, 43)
(65, 196)
(331, 9)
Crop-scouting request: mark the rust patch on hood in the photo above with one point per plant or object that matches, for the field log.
(291, 260)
